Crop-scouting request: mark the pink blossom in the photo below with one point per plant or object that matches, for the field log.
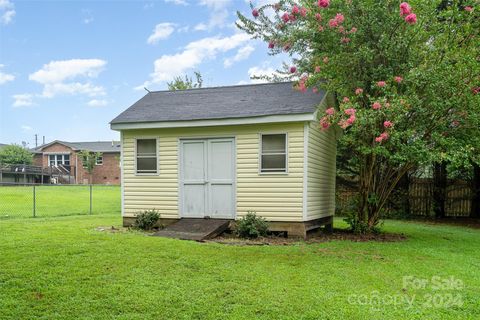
(381, 84)
(286, 47)
(295, 10)
(352, 119)
(387, 105)
(476, 90)
(293, 69)
(255, 13)
(455, 123)
(285, 17)
(358, 91)
(405, 9)
(339, 18)
(411, 18)
(341, 29)
(398, 79)
(303, 11)
(315, 90)
(353, 30)
(376, 106)
(345, 40)
(271, 45)
(346, 100)
(318, 16)
(301, 87)
(320, 28)
(383, 136)
(325, 60)
(323, 3)
(333, 23)
(330, 111)
(468, 9)
(350, 111)
(292, 17)
(317, 69)
(343, 124)
(324, 124)
(388, 124)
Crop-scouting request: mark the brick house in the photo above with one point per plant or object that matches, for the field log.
(64, 158)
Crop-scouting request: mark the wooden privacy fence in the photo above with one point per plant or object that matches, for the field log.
(458, 200)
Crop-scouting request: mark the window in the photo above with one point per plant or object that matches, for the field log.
(273, 153)
(59, 159)
(99, 161)
(147, 156)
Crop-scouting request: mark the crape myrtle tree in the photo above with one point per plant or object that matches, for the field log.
(406, 77)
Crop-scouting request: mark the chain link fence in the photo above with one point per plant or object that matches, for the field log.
(31, 201)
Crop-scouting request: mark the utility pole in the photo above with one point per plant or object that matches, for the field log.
(36, 140)
(43, 141)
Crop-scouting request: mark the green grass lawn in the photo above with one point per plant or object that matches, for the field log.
(62, 268)
(53, 200)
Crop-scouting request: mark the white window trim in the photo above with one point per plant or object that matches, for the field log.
(96, 161)
(56, 162)
(157, 151)
(260, 153)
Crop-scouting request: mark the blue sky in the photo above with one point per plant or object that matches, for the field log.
(69, 67)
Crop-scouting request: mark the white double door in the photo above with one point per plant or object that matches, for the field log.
(207, 178)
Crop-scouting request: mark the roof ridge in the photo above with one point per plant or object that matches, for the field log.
(222, 87)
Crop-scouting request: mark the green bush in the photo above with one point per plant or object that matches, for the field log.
(359, 227)
(251, 226)
(146, 219)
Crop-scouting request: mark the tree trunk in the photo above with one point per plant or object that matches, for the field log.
(439, 189)
(377, 181)
(475, 208)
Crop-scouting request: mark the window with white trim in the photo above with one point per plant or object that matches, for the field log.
(273, 156)
(99, 161)
(146, 156)
(59, 159)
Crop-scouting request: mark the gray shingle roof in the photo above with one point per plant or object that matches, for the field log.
(221, 103)
(94, 146)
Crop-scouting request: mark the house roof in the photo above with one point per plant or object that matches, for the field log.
(94, 146)
(242, 101)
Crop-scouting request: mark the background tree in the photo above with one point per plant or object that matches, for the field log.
(15, 154)
(180, 83)
(89, 160)
(406, 78)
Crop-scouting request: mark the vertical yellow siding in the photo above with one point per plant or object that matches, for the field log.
(321, 170)
(277, 197)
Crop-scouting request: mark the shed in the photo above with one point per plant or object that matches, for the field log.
(221, 152)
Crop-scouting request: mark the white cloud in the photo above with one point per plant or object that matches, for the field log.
(177, 2)
(53, 77)
(5, 77)
(26, 128)
(7, 11)
(242, 54)
(87, 16)
(218, 14)
(260, 72)
(22, 100)
(168, 66)
(162, 31)
(97, 103)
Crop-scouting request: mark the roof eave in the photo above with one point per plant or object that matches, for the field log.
(213, 122)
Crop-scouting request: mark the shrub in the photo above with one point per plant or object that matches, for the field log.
(358, 226)
(146, 219)
(251, 226)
